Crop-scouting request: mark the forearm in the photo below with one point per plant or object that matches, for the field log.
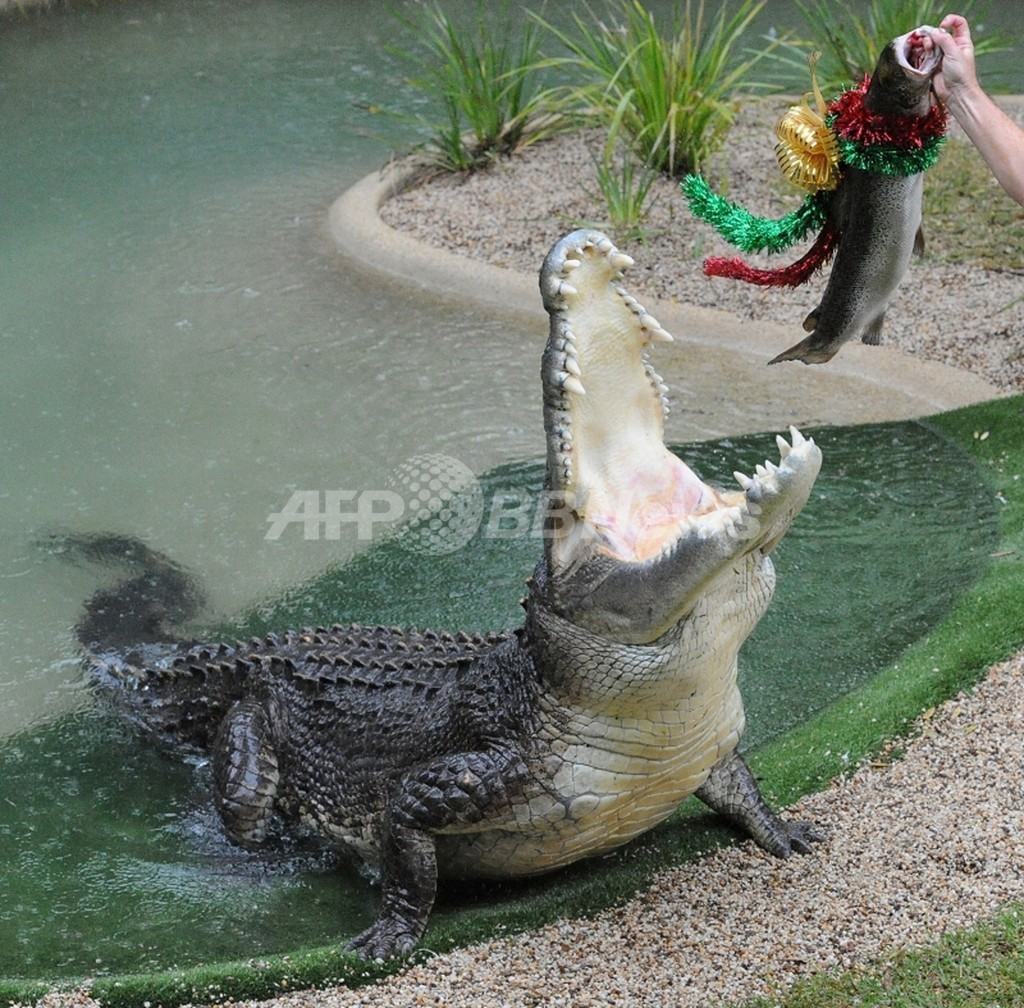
(999, 140)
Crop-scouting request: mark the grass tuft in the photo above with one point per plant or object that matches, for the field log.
(624, 189)
(979, 968)
(670, 92)
(484, 82)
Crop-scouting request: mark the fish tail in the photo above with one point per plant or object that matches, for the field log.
(792, 275)
(807, 350)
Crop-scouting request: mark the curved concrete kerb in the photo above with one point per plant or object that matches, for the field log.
(716, 368)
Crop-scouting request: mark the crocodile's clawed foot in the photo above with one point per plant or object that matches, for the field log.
(386, 937)
(796, 838)
(732, 791)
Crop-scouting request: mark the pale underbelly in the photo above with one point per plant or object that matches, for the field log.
(618, 780)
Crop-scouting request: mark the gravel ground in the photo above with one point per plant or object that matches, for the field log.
(904, 861)
(510, 215)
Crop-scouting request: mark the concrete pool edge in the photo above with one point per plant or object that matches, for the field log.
(862, 384)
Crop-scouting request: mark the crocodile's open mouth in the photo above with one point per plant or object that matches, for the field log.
(916, 53)
(621, 489)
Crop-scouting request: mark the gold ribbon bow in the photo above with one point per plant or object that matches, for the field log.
(807, 151)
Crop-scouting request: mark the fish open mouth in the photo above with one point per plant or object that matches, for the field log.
(916, 53)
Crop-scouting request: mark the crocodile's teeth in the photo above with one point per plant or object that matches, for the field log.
(620, 260)
(570, 264)
(659, 335)
(797, 438)
(760, 470)
(566, 289)
(689, 525)
(605, 246)
(784, 448)
(743, 479)
(572, 366)
(715, 524)
(572, 384)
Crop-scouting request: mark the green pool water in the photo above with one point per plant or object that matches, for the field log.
(112, 859)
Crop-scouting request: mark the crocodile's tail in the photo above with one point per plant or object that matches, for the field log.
(147, 606)
(131, 633)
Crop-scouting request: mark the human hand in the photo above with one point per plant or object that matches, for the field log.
(957, 73)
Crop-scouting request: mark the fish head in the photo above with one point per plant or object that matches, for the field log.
(902, 78)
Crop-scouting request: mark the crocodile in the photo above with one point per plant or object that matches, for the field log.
(434, 755)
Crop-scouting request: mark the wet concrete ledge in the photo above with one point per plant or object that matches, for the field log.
(716, 368)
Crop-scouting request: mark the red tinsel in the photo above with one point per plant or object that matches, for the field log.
(852, 121)
(785, 276)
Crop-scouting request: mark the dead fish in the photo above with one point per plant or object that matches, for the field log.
(877, 217)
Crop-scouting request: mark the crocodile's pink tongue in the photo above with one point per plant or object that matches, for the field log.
(648, 509)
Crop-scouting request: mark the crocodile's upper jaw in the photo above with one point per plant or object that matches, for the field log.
(619, 499)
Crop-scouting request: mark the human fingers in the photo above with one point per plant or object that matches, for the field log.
(957, 26)
(943, 40)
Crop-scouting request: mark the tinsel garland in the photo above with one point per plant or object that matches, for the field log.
(786, 276)
(743, 230)
(887, 144)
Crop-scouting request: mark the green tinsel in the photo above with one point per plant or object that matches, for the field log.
(742, 229)
(886, 160)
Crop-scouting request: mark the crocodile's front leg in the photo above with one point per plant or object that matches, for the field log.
(246, 774)
(452, 794)
(732, 791)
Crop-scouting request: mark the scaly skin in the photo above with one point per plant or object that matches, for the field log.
(513, 754)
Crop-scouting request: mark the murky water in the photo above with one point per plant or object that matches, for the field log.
(181, 347)
(182, 350)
